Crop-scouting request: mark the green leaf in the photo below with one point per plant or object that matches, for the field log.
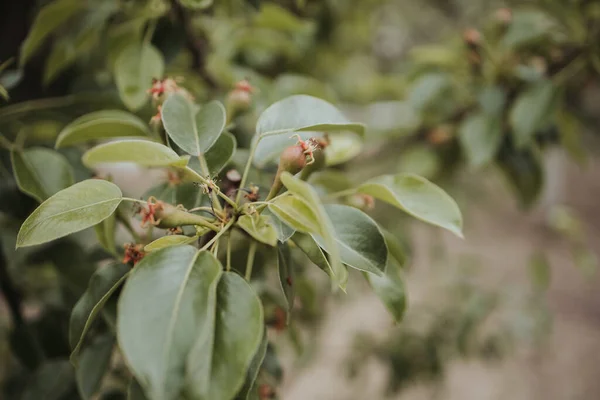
(185, 193)
(102, 285)
(295, 212)
(571, 132)
(249, 385)
(101, 125)
(197, 4)
(286, 276)
(531, 110)
(135, 391)
(326, 229)
(524, 172)
(93, 365)
(41, 172)
(427, 89)
(526, 27)
(219, 155)
(195, 131)
(284, 232)
(418, 197)
(142, 152)
(48, 19)
(135, 67)
(309, 246)
(390, 289)
(54, 380)
(168, 241)
(105, 232)
(80, 206)
(299, 113)
(395, 248)
(259, 228)
(343, 146)
(480, 138)
(358, 238)
(218, 363)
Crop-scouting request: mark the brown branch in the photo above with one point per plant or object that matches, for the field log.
(196, 43)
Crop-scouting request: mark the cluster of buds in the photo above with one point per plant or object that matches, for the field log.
(163, 88)
(133, 253)
(240, 97)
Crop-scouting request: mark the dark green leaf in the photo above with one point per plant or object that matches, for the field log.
(286, 276)
(532, 109)
(101, 286)
(309, 246)
(219, 155)
(93, 364)
(41, 172)
(135, 391)
(142, 152)
(194, 130)
(80, 206)
(390, 289)
(361, 244)
(480, 138)
(134, 69)
(259, 228)
(524, 172)
(418, 197)
(249, 388)
(101, 125)
(54, 380)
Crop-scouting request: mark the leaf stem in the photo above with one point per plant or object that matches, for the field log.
(247, 169)
(205, 171)
(206, 182)
(218, 235)
(228, 267)
(250, 261)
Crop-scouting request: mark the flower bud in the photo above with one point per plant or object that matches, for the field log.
(292, 159)
(504, 15)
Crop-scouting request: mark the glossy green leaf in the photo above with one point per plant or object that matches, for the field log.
(168, 241)
(194, 130)
(93, 365)
(531, 110)
(299, 113)
(80, 206)
(295, 212)
(480, 138)
(134, 69)
(103, 124)
(41, 172)
(53, 380)
(326, 229)
(390, 289)
(48, 19)
(358, 238)
(105, 233)
(309, 246)
(418, 197)
(286, 276)
(248, 390)
(218, 363)
(259, 228)
(102, 285)
(142, 152)
(284, 232)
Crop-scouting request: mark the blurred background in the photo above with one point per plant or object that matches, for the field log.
(495, 101)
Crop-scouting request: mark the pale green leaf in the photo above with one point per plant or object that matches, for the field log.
(390, 289)
(48, 19)
(105, 233)
(80, 206)
(284, 232)
(259, 228)
(134, 69)
(142, 152)
(531, 110)
(418, 197)
(249, 385)
(480, 138)
(427, 89)
(101, 125)
(295, 212)
(343, 146)
(194, 130)
(41, 172)
(102, 285)
(358, 238)
(168, 241)
(527, 26)
(93, 365)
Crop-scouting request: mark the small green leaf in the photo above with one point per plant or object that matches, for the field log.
(135, 67)
(284, 232)
(418, 197)
(286, 276)
(480, 138)
(142, 152)
(326, 229)
(259, 228)
(102, 285)
(103, 124)
(296, 213)
(299, 113)
(361, 244)
(105, 232)
(309, 246)
(531, 110)
(41, 172)
(219, 155)
(195, 131)
(390, 289)
(80, 206)
(93, 365)
(168, 241)
(48, 19)
(247, 391)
